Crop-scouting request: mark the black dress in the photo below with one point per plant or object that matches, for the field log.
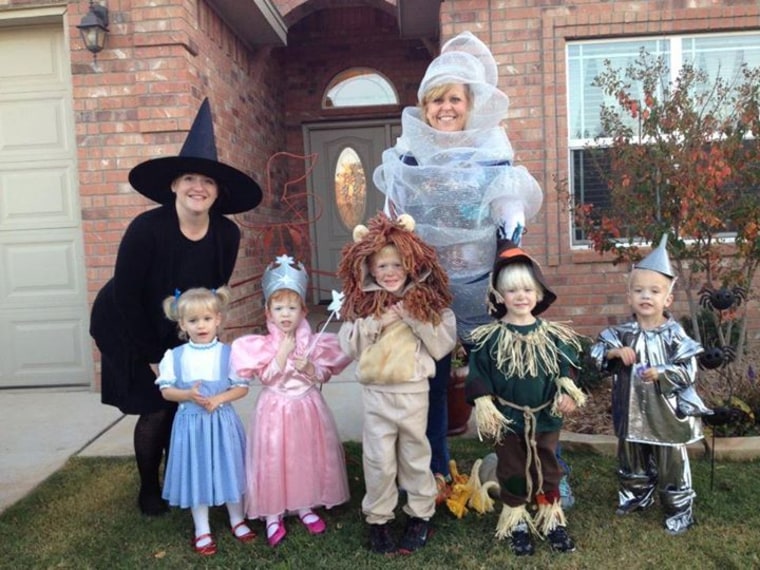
(128, 322)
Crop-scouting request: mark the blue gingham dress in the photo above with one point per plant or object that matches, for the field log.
(206, 464)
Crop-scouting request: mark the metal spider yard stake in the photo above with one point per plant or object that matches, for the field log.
(718, 301)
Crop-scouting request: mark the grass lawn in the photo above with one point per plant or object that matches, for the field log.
(84, 516)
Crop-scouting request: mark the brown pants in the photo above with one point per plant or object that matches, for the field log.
(512, 453)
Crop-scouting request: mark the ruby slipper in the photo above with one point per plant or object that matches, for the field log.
(280, 532)
(313, 523)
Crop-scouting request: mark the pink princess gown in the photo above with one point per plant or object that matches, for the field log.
(294, 457)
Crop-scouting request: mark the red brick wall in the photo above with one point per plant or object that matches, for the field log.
(139, 101)
(324, 43)
(528, 40)
(162, 58)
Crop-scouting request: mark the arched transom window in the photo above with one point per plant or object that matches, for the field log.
(359, 87)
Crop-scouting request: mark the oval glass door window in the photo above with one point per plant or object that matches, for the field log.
(350, 188)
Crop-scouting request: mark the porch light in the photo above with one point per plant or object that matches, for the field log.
(94, 27)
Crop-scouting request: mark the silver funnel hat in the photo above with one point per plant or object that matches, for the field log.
(658, 260)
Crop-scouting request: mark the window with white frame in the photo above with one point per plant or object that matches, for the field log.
(717, 54)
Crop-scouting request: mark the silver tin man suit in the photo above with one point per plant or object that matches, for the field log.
(652, 435)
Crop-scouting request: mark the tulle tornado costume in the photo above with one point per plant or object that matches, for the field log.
(654, 420)
(461, 187)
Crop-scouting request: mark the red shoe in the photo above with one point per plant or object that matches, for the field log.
(278, 535)
(207, 549)
(316, 526)
(245, 537)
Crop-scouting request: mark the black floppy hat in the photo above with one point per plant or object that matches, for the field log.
(238, 192)
(509, 254)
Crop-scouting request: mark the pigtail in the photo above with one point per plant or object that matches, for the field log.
(171, 306)
(177, 305)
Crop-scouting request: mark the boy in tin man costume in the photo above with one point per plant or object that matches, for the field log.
(655, 408)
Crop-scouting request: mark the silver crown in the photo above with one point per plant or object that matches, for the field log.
(285, 273)
(658, 259)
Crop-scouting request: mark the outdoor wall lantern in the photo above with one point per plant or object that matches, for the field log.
(94, 27)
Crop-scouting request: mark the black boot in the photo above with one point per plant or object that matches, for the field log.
(415, 536)
(520, 541)
(381, 540)
(559, 540)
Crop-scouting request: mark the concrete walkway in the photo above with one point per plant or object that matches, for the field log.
(42, 428)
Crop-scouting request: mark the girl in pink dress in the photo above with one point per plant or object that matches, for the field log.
(294, 457)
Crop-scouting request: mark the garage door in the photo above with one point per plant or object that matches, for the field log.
(43, 302)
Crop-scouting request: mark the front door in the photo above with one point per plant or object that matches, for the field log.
(342, 189)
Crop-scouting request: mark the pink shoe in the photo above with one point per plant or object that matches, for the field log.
(315, 525)
(278, 535)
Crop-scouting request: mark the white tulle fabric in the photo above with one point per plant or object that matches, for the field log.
(462, 186)
(294, 456)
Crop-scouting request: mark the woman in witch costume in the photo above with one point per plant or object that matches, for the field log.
(186, 242)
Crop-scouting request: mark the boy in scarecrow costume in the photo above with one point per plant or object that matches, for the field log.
(520, 383)
(397, 324)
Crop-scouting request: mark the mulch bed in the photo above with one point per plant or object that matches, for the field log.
(596, 416)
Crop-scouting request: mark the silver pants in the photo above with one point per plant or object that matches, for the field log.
(644, 468)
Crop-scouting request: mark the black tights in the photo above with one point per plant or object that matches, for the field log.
(151, 441)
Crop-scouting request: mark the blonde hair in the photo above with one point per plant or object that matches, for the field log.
(196, 300)
(440, 91)
(519, 276)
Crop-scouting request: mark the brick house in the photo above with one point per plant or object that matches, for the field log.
(278, 74)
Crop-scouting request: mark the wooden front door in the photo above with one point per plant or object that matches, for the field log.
(342, 189)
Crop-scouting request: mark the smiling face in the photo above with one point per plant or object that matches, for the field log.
(521, 292)
(201, 324)
(388, 270)
(196, 193)
(649, 294)
(285, 309)
(447, 108)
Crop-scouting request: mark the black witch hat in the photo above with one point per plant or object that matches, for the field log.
(509, 254)
(238, 192)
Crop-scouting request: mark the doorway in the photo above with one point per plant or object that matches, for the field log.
(342, 191)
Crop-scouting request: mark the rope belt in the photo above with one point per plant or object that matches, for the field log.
(529, 418)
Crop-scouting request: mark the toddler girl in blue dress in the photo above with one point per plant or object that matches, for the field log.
(205, 464)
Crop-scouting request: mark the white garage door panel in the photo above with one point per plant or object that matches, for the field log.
(31, 57)
(34, 195)
(40, 269)
(33, 129)
(44, 347)
(44, 314)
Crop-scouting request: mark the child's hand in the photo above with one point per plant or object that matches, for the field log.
(390, 316)
(212, 403)
(196, 396)
(647, 373)
(626, 354)
(303, 365)
(287, 344)
(566, 404)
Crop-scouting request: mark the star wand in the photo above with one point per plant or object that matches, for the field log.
(334, 308)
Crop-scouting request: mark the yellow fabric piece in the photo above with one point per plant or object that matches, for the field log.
(392, 359)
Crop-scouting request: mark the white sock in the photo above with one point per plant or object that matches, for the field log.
(200, 520)
(272, 525)
(235, 511)
(307, 516)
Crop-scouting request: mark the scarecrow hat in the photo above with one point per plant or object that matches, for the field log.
(238, 192)
(285, 273)
(658, 260)
(509, 254)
